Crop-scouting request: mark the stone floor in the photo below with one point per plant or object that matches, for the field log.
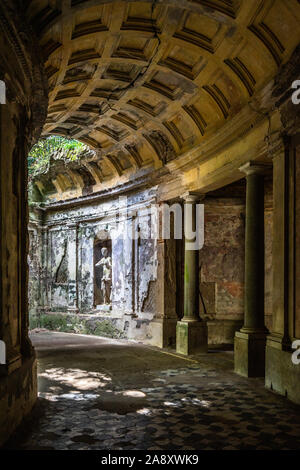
(98, 393)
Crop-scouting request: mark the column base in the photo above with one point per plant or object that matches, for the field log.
(13, 361)
(18, 394)
(278, 341)
(163, 332)
(191, 337)
(282, 374)
(249, 353)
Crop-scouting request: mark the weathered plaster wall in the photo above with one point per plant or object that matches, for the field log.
(67, 260)
(221, 268)
(268, 252)
(222, 264)
(34, 270)
(147, 274)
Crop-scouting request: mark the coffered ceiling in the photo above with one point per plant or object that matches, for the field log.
(144, 82)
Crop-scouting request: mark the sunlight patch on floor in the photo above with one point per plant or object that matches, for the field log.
(78, 378)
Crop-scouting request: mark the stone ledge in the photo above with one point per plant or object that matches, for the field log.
(191, 337)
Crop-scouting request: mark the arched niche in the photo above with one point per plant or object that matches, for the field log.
(102, 240)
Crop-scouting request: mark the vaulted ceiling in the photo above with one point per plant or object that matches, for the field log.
(144, 82)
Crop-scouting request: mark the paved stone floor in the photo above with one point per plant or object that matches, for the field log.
(98, 393)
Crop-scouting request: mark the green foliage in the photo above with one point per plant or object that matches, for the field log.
(34, 322)
(74, 324)
(53, 146)
(106, 328)
(49, 322)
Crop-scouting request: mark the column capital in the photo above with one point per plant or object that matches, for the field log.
(191, 196)
(254, 168)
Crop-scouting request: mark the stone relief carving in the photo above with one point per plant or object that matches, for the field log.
(61, 276)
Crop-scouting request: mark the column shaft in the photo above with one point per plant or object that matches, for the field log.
(250, 342)
(191, 331)
(190, 271)
(254, 254)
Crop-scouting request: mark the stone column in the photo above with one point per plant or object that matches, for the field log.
(191, 331)
(282, 372)
(250, 341)
(282, 220)
(163, 326)
(72, 269)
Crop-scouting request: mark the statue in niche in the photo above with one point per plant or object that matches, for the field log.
(105, 263)
(61, 276)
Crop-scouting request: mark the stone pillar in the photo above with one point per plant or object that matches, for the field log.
(282, 372)
(163, 326)
(72, 268)
(21, 120)
(282, 218)
(129, 265)
(250, 341)
(191, 331)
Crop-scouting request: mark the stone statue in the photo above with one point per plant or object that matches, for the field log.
(105, 262)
